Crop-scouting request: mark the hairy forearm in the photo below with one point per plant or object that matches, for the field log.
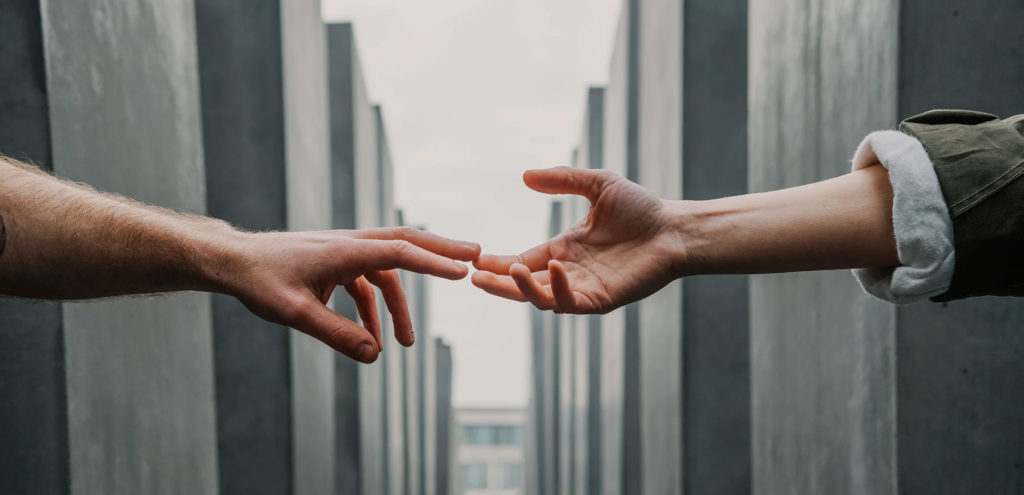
(845, 222)
(67, 241)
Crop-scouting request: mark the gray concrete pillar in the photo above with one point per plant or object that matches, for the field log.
(551, 366)
(419, 286)
(660, 124)
(139, 372)
(620, 383)
(534, 428)
(308, 178)
(241, 81)
(716, 342)
(587, 450)
(33, 421)
(443, 447)
(358, 202)
(566, 372)
(413, 386)
(851, 395)
(958, 366)
(692, 141)
(395, 359)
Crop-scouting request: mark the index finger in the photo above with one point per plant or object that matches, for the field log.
(450, 248)
(388, 255)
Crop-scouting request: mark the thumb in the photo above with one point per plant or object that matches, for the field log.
(568, 180)
(343, 335)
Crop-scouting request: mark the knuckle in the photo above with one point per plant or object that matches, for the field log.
(405, 232)
(401, 249)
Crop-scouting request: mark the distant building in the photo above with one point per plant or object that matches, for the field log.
(488, 452)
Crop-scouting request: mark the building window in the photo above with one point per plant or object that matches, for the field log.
(492, 435)
(474, 476)
(509, 475)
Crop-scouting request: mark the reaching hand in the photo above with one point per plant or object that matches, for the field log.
(621, 252)
(287, 278)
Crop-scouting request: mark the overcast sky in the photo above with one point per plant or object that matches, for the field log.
(474, 92)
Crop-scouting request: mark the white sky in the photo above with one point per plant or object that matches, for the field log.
(474, 92)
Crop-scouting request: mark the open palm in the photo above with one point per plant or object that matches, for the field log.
(621, 252)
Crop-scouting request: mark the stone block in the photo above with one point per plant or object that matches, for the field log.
(241, 87)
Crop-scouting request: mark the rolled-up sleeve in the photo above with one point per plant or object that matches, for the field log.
(978, 160)
(921, 222)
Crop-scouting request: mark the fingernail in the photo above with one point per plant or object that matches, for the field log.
(366, 353)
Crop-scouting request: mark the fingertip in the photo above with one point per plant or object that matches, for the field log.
(520, 268)
(366, 354)
(458, 272)
(486, 262)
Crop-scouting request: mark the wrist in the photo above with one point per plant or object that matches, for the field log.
(691, 227)
(219, 257)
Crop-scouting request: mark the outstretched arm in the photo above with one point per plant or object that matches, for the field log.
(66, 241)
(632, 243)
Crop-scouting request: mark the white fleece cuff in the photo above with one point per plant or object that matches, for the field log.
(921, 221)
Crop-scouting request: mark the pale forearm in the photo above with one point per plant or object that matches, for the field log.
(66, 241)
(845, 222)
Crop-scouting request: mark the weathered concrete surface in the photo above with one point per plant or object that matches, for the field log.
(422, 384)
(829, 382)
(139, 371)
(660, 128)
(413, 387)
(959, 367)
(240, 74)
(565, 374)
(354, 174)
(551, 365)
(308, 179)
(587, 328)
(395, 358)
(443, 447)
(715, 309)
(342, 68)
(533, 430)
(33, 421)
(620, 413)
(822, 363)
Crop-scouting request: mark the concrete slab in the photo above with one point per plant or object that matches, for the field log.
(355, 169)
(139, 371)
(241, 83)
(957, 365)
(822, 353)
(33, 423)
(715, 309)
(587, 328)
(444, 435)
(308, 179)
(660, 127)
(620, 411)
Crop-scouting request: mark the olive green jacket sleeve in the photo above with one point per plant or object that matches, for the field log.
(979, 159)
